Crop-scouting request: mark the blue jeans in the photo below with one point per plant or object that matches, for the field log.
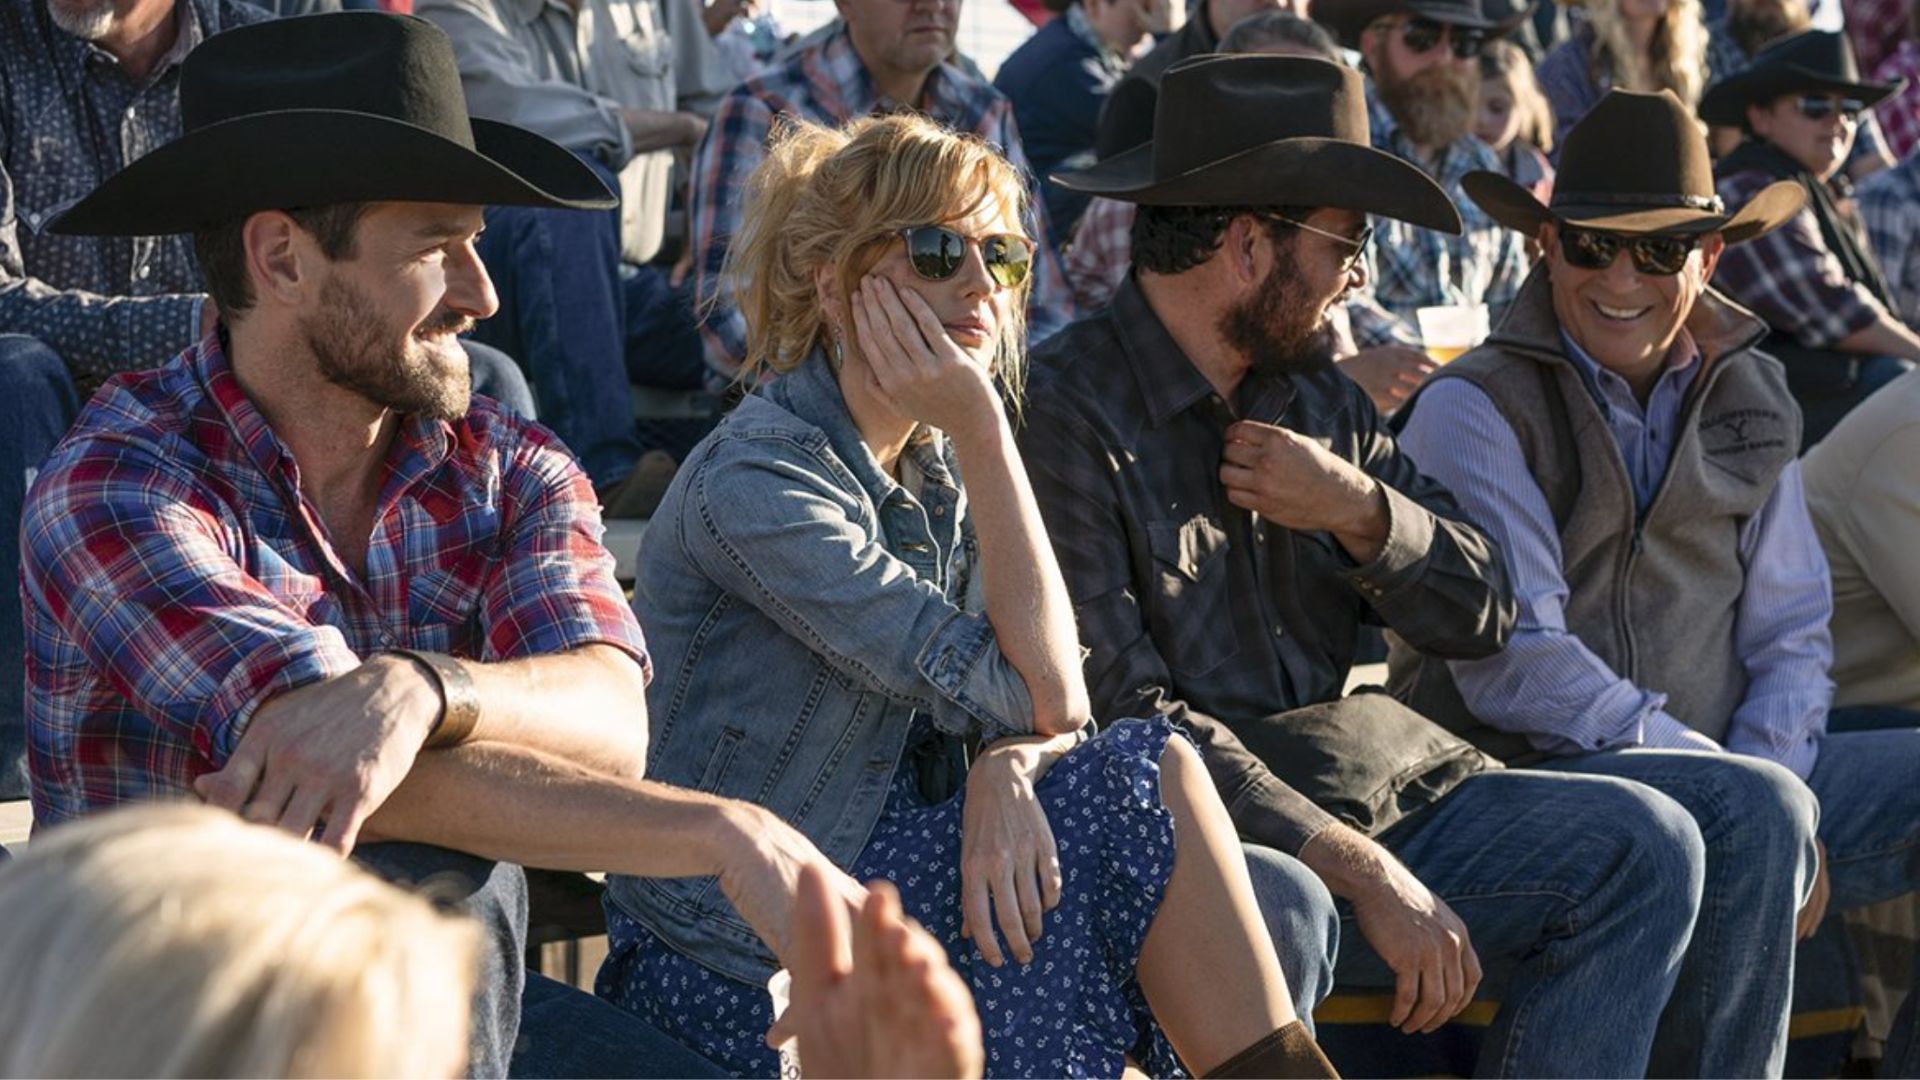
(494, 895)
(1866, 781)
(1729, 1010)
(37, 405)
(1579, 894)
(1303, 922)
(566, 1032)
(583, 328)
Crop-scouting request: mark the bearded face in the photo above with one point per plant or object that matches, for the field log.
(88, 20)
(406, 368)
(1281, 328)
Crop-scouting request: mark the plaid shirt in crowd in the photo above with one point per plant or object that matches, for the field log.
(69, 118)
(1415, 267)
(1890, 207)
(1899, 115)
(828, 84)
(174, 579)
(1873, 28)
(1789, 277)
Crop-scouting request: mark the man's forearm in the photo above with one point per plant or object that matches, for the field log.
(587, 706)
(1885, 336)
(520, 805)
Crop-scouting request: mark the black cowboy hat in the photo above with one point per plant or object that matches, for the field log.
(1349, 18)
(1815, 62)
(1265, 131)
(346, 107)
(1637, 163)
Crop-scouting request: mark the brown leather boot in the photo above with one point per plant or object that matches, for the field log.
(1289, 1053)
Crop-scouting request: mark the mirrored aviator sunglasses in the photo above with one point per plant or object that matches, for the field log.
(1591, 249)
(1819, 107)
(935, 252)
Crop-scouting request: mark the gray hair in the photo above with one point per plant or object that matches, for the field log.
(1264, 30)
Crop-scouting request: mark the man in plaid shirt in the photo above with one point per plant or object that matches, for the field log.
(300, 572)
(888, 55)
(1890, 207)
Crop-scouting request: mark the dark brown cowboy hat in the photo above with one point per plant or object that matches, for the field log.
(1348, 19)
(1815, 62)
(1637, 163)
(346, 107)
(1265, 131)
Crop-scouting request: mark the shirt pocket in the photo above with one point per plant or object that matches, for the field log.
(1193, 622)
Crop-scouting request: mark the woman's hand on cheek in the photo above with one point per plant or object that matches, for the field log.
(916, 364)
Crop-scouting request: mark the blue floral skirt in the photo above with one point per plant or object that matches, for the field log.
(1076, 1010)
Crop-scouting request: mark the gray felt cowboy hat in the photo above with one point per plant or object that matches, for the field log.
(1637, 163)
(345, 107)
(1265, 131)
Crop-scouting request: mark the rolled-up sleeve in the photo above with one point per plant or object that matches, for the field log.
(783, 538)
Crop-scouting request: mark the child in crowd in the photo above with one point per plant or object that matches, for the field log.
(1515, 118)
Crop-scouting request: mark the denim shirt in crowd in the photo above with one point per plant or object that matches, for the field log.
(801, 608)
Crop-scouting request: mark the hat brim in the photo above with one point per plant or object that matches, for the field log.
(1288, 172)
(313, 157)
(1348, 20)
(1725, 102)
(1518, 209)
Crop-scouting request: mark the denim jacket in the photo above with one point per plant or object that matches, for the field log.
(802, 607)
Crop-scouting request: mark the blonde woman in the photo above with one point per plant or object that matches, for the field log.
(178, 940)
(1646, 45)
(883, 655)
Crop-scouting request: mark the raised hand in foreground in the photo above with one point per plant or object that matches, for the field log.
(873, 995)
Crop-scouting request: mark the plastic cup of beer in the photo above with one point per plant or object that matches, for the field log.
(1452, 329)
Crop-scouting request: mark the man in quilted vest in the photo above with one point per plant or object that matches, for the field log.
(1634, 458)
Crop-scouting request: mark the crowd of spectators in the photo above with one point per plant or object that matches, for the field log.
(1062, 442)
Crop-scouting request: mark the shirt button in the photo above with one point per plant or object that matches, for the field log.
(146, 272)
(939, 511)
(130, 112)
(1278, 632)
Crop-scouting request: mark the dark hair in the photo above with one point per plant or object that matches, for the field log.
(1174, 239)
(221, 248)
(1265, 28)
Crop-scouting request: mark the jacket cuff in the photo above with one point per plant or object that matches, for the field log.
(963, 663)
(1271, 813)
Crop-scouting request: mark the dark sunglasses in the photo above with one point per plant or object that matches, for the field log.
(936, 252)
(1591, 249)
(1819, 107)
(1421, 35)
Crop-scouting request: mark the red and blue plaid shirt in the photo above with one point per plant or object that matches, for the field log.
(174, 579)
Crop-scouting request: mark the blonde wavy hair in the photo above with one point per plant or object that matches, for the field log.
(174, 940)
(1678, 60)
(837, 197)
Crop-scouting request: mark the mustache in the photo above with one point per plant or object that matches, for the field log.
(446, 322)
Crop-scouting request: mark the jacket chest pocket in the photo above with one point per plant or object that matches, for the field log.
(1192, 624)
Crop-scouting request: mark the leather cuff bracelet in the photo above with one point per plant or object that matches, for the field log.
(459, 698)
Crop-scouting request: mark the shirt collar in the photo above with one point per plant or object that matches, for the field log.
(1606, 386)
(420, 446)
(845, 89)
(1082, 27)
(1169, 383)
(191, 27)
(812, 393)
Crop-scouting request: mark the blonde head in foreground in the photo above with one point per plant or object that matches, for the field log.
(827, 206)
(178, 940)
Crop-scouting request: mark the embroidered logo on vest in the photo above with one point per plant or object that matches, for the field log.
(1740, 431)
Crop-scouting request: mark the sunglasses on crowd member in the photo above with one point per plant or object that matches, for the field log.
(1591, 249)
(1422, 35)
(1820, 106)
(935, 252)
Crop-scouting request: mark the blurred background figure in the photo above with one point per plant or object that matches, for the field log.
(1515, 117)
(178, 940)
(1646, 45)
(1059, 78)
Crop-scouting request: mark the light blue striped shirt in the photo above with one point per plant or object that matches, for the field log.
(1547, 684)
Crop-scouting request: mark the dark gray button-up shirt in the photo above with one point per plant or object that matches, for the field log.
(1195, 608)
(69, 118)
